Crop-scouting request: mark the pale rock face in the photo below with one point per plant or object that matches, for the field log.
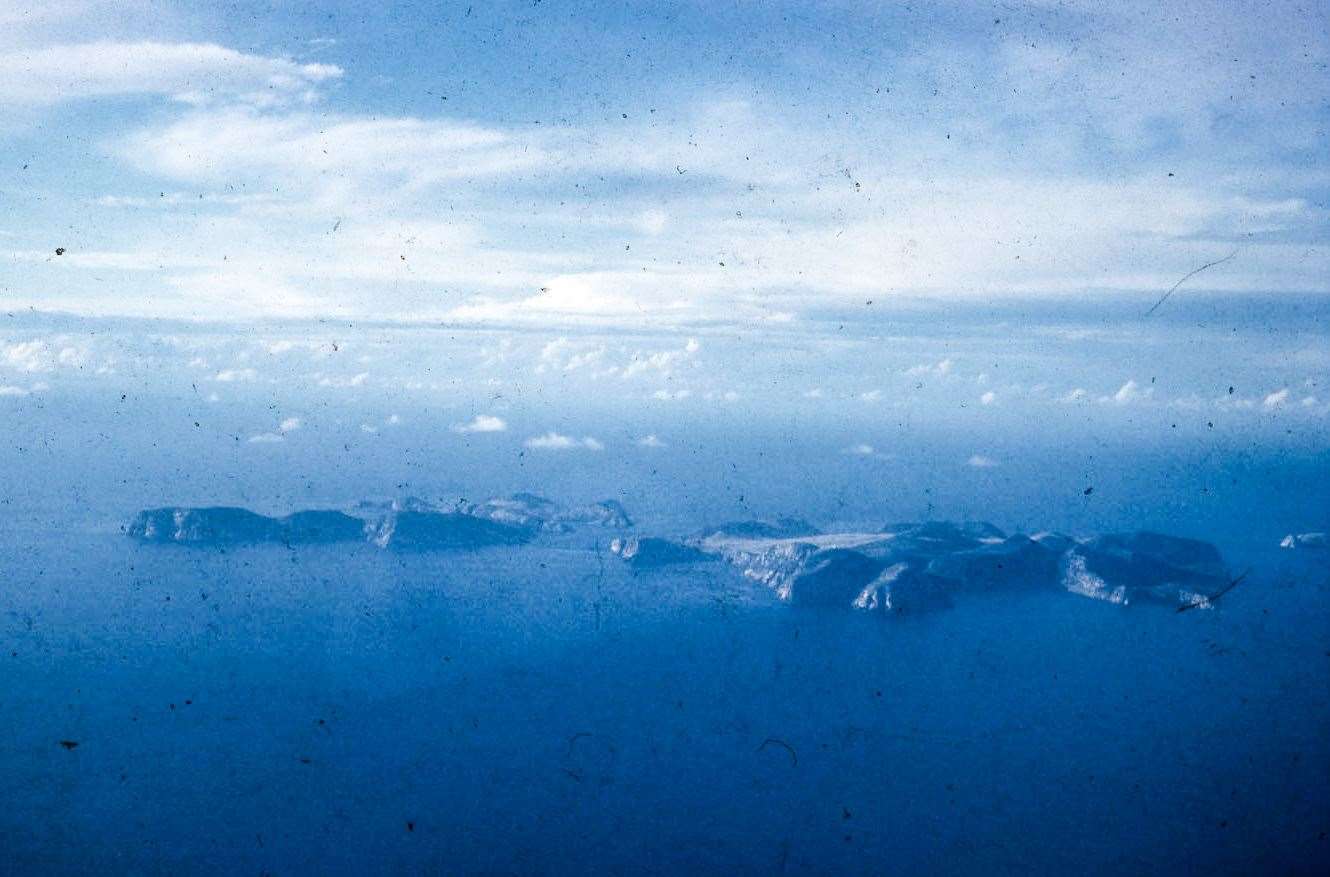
(649, 552)
(423, 531)
(1143, 566)
(536, 512)
(217, 525)
(834, 577)
(901, 589)
(1305, 540)
(519, 510)
(914, 567)
(780, 528)
(606, 513)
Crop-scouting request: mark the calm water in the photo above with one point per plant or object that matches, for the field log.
(346, 710)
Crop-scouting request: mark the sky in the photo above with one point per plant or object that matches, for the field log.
(951, 238)
(546, 163)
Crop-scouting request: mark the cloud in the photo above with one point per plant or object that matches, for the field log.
(1014, 201)
(169, 200)
(1276, 399)
(555, 442)
(1128, 393)
(28, 356)
(6, 390)
(653, 222)
(232, 375)
(482, 423)
(662, 361)
(651, 441)
(343, 381)
(562, 355)
(979, 461)
(266, 438)
(325, 154)
(988, 398)
(290, 424)
(940, 368)
(860, 450)
(191, 72)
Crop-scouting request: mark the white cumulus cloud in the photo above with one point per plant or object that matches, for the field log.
(553, 441)
(482, 423)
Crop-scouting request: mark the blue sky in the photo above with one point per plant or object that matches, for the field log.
(582, 230)
(559, 163)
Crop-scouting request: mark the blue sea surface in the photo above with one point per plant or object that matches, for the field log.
(341, 709)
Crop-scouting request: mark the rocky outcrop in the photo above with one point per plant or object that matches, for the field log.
(649, 552)
(778, 528)
(426, 531)
(1143, 566)
(918, 566)
(215, 525)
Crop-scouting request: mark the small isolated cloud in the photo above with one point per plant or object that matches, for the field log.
(369, 428)
(666, 362)
(232, 375)
(481, 423)
(553, 441)
(988, 398)
(651, 441)
(815, 393)
(871, 395)
(266, 438)
(1128, 393)
(291, 424)
(13, 391)
(653, 222)
(563, 355)
(860, 450)
(393, 420)
(1077, 395)
(940, 368)
(1276, 399)
(343, 381)
(979, 461)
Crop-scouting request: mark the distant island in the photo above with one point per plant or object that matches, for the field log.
(899, 568)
